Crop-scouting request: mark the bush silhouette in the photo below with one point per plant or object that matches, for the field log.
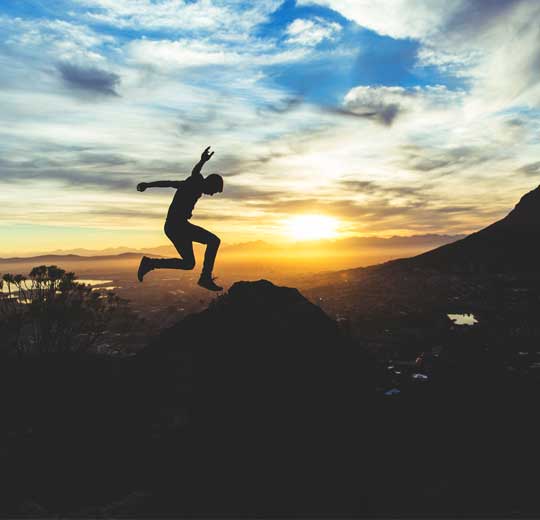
(50, 312)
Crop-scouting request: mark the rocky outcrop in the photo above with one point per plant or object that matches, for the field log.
(268, 383)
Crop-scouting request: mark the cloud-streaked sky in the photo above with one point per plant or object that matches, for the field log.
(393, 116)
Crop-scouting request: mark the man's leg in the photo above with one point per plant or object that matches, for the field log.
(183, 245)
(202, 236)
(183, 241)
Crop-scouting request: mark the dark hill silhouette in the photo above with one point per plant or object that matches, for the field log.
(267, 379)
(511, 244)
(259, 308)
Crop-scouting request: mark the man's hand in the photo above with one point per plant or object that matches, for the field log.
(142, 186)
(206, 155)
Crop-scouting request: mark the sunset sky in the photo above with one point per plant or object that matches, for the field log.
(372, 117)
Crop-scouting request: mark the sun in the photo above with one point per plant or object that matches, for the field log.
(311, 227)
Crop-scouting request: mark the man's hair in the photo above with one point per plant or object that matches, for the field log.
(216, 181)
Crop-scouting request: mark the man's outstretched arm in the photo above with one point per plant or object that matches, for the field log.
(205, 156)
(158, 184)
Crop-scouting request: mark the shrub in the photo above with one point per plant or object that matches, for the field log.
(50, 312)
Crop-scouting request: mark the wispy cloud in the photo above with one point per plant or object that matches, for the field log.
(52, 38)
(169, 55)
(311, 32)
(385, 104)
(530, 169)
(213, 15)
(395, 18)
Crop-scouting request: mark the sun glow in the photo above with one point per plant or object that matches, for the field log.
(311, 227)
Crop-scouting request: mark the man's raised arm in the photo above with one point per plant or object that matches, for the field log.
(158, 184)
(205, 156)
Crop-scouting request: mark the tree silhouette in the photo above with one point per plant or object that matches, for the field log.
(50, 312)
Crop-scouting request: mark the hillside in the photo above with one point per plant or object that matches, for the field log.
(510, 245)
(429, 281)
(259, 405)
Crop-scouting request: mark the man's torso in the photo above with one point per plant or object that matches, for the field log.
(185, 198)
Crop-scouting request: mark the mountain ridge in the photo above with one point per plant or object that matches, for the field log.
(511, 244)
(70, 257)
(245, 247)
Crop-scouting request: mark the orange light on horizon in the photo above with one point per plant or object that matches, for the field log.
(311, 227)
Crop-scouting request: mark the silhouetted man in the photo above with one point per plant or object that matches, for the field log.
(183, 233)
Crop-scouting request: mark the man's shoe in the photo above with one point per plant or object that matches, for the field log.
(207, 282)
(144, 267)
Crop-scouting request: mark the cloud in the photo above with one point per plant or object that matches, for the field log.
(25, 171)
(421, 19)
(386, 104)
(463, 38)
(379, 212)
(122, 214)
(530, 169)
(221, 17)
(184, 53)
(371, 188)
(383, 104)
(59, 40)
(342, 199)
(103, 159)
(472, 17)
(89, 79)
(339, 111)
(311, 32)
(469, 46)
(395, 18)
(444, 161)
(250, 194)
(180, 54)
(283, 106)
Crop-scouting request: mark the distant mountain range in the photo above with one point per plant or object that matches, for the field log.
(52, 258)
(414, 243)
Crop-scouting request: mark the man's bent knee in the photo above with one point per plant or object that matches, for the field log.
(189, 264)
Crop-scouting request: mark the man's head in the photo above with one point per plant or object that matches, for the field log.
(213, 184)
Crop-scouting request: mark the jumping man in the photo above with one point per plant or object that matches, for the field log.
(183, 233)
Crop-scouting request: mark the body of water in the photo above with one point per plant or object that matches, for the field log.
(86, 281)
(463, 319)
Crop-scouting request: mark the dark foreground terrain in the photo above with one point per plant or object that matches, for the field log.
(261, 404)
